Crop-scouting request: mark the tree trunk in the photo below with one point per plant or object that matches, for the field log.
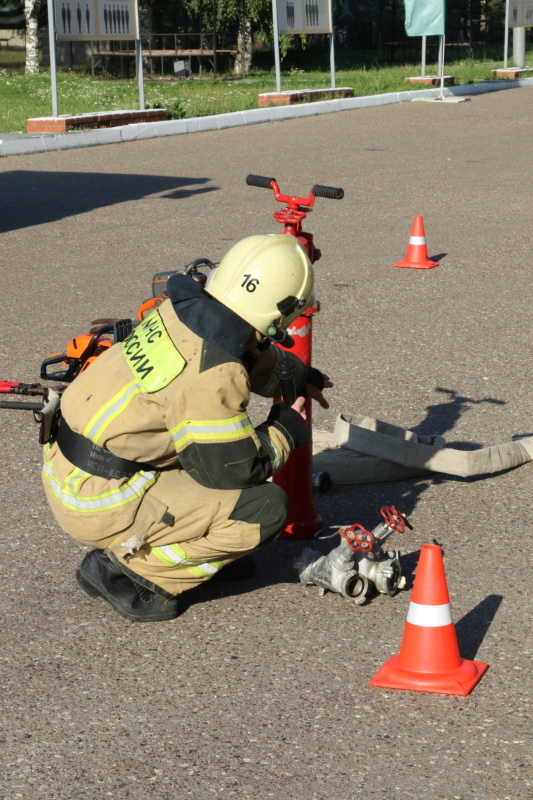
(147, 18)
(243, 60)
(31, 9)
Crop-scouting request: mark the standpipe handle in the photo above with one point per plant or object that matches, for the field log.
(329, 192)
(286, 372)
(259, 180)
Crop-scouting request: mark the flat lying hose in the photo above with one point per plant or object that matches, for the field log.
(368, 437)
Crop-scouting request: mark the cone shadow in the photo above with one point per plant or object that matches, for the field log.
(472, 628)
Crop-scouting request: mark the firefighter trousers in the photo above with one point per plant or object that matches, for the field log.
(185, 532)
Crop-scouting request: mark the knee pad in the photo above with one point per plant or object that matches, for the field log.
(265, 505)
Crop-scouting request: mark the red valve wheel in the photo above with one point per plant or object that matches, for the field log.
(292, 215)
(394, 519)
(361, 541)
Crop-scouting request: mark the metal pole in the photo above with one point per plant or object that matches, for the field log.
(139, 66)
(139, 60)
(214, 39)
(506, 39)
(331, 46)
(332, 59)
(52, 45)
(519, 47)
(424, 40)
(441, 67)
(276, 45)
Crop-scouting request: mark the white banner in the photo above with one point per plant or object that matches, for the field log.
(91, 20)
(304, 16)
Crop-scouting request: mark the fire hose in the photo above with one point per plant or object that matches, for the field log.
(396, 453)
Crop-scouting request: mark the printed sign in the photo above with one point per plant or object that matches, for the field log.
(96, 19)
(304, 16)
(520, 13)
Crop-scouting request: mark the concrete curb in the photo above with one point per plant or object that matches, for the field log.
(27, 144)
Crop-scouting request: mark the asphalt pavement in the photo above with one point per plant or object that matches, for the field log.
(261, 690)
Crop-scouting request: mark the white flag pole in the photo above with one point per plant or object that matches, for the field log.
(441, 66)
(139, 60)
(331, 46)
(506, 40)
(276, 45)
(52, 44)
(424, 38)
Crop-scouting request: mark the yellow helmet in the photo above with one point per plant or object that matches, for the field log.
(267, 280)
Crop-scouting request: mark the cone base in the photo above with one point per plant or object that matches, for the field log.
(460, 681)
(412, 265)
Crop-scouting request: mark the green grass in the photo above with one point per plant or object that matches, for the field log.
(25, 96)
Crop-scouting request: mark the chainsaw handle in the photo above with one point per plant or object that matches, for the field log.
(260, 181)
(56, 376)
(329, 192)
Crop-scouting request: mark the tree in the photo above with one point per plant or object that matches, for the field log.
(236, 15)
(243, 59)
(31, 12)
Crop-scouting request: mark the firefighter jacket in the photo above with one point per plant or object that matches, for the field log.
(173, 395)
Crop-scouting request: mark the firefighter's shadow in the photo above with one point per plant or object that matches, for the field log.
(273, 565)
(442, 417)
(37, 198)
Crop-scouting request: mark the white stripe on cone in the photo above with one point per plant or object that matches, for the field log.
(417, 240)
(429, 616)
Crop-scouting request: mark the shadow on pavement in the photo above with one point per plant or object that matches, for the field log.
(442, 417)
(472, 628)
(35, 198)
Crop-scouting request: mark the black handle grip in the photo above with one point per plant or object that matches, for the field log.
(286, 371)
(259, 180)
(21, 405)
(329, 192)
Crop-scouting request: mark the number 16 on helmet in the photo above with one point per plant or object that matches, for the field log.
(267, 280)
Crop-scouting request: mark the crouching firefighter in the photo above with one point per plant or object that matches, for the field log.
(156, 464)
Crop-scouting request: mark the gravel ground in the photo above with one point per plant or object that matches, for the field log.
(261, 690)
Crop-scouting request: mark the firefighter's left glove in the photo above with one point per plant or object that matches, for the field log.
(291, 424)
(315, 382)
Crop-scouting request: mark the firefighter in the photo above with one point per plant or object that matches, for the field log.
(156, 464)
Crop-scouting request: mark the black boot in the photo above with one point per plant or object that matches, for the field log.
(100, 576)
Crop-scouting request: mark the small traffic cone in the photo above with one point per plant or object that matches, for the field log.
(417, 252)
(429, 659)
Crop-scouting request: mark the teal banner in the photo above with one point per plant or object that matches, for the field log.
(425, 17)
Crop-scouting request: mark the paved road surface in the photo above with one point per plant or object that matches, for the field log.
(261, 690)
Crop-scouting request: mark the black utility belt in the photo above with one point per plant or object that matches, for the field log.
(94, 459)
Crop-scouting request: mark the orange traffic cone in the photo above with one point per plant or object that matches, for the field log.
(417, 252)
(429, 659)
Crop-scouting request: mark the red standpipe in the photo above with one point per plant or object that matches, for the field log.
(296, 477)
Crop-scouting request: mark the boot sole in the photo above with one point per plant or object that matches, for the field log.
(86, 586)
(94, 593)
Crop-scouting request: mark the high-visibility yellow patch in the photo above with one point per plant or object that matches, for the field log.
(151, 354)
